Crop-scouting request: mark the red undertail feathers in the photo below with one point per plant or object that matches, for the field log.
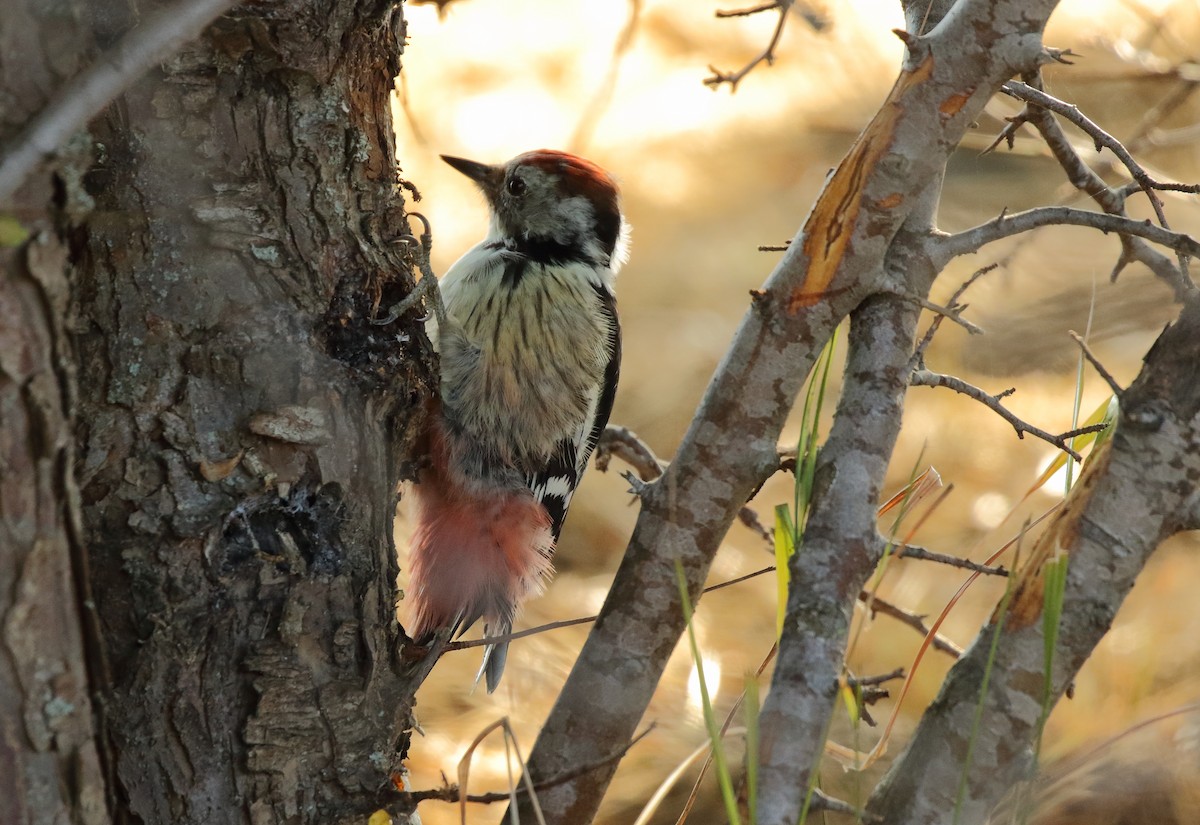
(478, 551)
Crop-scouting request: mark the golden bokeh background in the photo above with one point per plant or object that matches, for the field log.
(707, 176)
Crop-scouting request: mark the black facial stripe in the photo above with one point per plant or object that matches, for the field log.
(551, 252)
(608, 227)
(514, 271)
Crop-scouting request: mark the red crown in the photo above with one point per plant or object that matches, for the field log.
(578, 175)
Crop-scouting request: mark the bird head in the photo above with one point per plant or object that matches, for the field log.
(552, 200)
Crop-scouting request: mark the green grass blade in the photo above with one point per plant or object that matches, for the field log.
(1053, 596)
(751, 709)
(810, 419)
(785, 538)
(724, 778)
(1105, 413)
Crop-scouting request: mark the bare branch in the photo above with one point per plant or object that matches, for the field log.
(952, 313)
(1149, 132)
(821, 801)
(766, 56)
(750, 519)
(912, 551)
(1102, 139)
(918, 357)
(749, 10)
(927, 378)
(1008, 134)
(518, 634)
(1095, 362)
(840, 552)
(865, 681)
(85, 96)
(452, 793)
(1005, 226)
(623, 443)
(907, 617)
(1112, 201)
(542, 628)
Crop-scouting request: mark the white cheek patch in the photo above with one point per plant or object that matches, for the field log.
(621, 252)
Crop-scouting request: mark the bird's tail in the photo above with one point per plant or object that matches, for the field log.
(494, 656)
(479, 550)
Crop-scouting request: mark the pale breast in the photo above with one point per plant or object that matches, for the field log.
(538, 347)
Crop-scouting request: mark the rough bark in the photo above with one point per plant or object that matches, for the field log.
(241, 424)
(51, 769)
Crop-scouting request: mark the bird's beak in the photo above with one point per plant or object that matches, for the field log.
(488, 178)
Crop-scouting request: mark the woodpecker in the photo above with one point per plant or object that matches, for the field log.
(530, 350)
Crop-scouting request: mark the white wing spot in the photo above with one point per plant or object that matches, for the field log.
(558, 486)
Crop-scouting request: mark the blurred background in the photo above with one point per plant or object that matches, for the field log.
(708, 176)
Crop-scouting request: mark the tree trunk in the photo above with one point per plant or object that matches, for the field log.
(241, 424)
(51, 771)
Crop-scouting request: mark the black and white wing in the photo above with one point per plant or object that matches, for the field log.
(555, 483)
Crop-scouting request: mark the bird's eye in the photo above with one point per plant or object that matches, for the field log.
(516, 187)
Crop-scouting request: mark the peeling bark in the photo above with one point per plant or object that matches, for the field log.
(51, 770)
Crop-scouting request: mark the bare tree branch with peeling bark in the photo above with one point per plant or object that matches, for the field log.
(867, 250)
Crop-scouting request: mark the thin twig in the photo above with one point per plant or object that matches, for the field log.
(927, 378)
(451, 793)
(1005, 226)
(821, 801)
(83, 97)
(749, 518)
(761, 572)
(746, 12)
(918, 359)
(624, 443)
(1095, 362)
(865, 681)
(887, 609)
(912, 551)
(950, 312)
(1101, 139)
(1112, 201)
(519, 634)
(542, 628)
(910, 619)
(767, 55)
(1149, 131)
(1008, 134)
